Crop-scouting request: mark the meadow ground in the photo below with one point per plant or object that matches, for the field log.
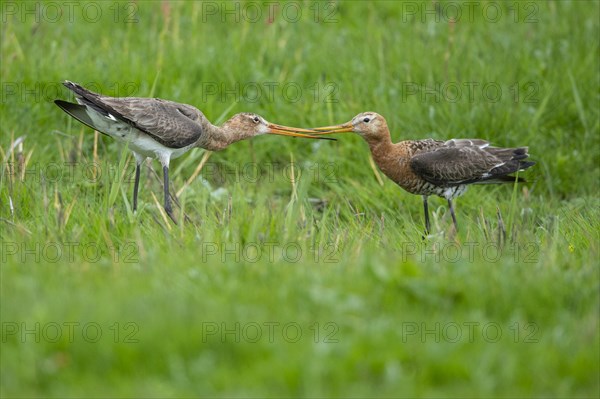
(302, 271)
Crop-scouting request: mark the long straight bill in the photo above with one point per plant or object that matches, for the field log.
(346, 127)
(295, 132)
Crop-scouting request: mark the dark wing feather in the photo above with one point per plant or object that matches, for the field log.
(77, 111)
(172, 124)
(468, 161)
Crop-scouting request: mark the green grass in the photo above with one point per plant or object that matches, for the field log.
(329, 266)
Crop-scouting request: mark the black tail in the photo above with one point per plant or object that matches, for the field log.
(76, 111)
(91, 99)
(504, 179)
(514, 160)
(79, 90)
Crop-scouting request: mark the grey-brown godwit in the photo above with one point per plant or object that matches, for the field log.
(163, 129)
(433, 167)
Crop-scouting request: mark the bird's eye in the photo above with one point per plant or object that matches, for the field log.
(255, 119)
(367, 120)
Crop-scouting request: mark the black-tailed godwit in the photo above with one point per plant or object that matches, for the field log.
(433, 167)
(163, 129)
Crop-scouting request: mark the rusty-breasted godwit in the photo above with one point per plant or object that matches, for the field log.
(433, 167)
(162, 129)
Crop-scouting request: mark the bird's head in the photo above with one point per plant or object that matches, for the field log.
(370, 125)
(250, 125)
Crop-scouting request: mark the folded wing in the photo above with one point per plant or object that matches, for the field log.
(467, 161)
(172, 124)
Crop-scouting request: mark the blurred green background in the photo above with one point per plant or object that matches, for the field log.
(301, 271)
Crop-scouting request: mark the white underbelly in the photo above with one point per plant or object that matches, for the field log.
(145, 145)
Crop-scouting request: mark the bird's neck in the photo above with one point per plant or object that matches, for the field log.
(221, 137)
(389, 157)
(380, 144)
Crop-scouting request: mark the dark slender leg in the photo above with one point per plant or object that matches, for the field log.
(426, 209)
(168, 208)
(453, 215)
(136, 185)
